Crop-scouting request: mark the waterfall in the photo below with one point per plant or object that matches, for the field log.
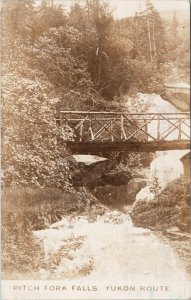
(166, 165)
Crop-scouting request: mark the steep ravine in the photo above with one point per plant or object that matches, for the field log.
(110, 247)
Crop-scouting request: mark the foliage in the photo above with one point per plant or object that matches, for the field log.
(31, 151)
(17, 17)
(25, 255)
(52, 56)
(48, 15)
(149, 35)
(44, 206)
(102, 48)
(80, 60)
(54, 60)
(28, 209)
(22, 252)
(178, 48)
(145, 77)
(148, 52)
(168, 208)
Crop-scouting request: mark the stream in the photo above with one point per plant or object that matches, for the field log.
(115, 253)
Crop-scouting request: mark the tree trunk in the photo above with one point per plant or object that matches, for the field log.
(154, 45)
(150, 46)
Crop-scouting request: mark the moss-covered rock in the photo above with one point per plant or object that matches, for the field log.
(168, 209)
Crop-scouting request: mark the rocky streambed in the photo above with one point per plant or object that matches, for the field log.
(111, 249)
(132, 241)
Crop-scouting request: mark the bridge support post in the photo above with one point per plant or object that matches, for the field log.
(81, 131)
(111, 128)
(158, 127)
(123, 134)
(179, 130)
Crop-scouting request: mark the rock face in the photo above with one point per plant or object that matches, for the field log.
(116, 177)
(186, 164)
(115, 195)
(117, 188)
(178, 95)
(167, 210)
(110, 185)
(88, 169)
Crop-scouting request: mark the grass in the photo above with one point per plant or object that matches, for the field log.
(28, 209)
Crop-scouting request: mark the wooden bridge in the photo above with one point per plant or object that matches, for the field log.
(119, 131)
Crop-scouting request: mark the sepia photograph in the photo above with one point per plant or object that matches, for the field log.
(95, 149)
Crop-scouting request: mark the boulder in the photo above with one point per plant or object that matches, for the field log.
(168, 209)
(88, 169)
(179, 95)
(115, 195)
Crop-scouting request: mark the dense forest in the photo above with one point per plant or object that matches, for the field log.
(53, 59)
(78, 59)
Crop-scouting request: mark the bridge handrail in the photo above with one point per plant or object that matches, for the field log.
(125, 126)
(120, 113)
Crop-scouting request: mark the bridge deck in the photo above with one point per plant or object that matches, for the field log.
(125, 146)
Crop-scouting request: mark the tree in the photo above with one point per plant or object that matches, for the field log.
(149, 34)
(52, 55)
(17, 26)
(17, 17)
(174, 26)
(94, 24)
(101, 47)
(41, 76)
(177, 58)
(48, 15)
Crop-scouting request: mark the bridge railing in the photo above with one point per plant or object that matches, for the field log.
(120, 126)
